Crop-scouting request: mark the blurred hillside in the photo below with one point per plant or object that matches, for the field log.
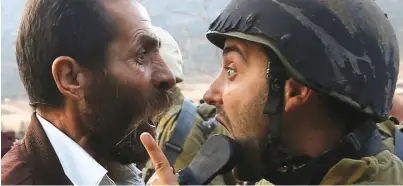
(186, 20)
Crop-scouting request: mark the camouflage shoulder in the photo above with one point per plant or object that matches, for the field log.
(169, 117)
(386, 169)
(383, 168)
(219, 129)
(174, 110)
(387, 128)
(206, 111)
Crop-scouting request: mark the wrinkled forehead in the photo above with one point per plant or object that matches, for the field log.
(128, 15)
(142, 11)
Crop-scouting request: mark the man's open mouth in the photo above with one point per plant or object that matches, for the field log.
(151, 122)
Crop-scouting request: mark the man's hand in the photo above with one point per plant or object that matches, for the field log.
(163, 171)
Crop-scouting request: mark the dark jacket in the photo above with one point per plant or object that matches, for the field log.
(7, 139)
(34, 161)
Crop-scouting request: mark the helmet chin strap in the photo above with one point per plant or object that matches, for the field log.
(275, 100)
(279, 158)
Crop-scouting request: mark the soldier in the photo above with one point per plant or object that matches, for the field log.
(302, 87)
(184, 129)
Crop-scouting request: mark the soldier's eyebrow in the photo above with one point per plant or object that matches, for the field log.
(233, 48)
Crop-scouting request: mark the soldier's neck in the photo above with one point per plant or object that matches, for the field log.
(314, 135)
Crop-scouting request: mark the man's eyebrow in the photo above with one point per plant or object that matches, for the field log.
(148, 41)
(236, 49)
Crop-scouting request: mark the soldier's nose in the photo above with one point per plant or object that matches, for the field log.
(213, 95)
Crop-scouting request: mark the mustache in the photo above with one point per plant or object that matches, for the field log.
(159, 102)
(132, 138)
(156, 104)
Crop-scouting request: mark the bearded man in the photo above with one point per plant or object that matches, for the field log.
(95, 79)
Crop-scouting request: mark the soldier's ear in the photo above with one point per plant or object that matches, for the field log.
(296, 95)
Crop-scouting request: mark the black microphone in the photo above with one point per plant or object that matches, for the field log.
(218, 155)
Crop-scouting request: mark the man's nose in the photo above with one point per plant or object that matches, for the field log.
(162, 77)
(213, 94)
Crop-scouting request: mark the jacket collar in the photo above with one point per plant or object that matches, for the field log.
(46, 165)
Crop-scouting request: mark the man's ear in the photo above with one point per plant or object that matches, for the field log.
(69, 77)
(296, 95)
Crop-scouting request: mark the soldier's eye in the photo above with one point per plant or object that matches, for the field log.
(231, 71)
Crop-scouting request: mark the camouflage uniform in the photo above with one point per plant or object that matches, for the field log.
(368, 170)
(345, 50)
(197, 136)
(380, 169)
(193, 142)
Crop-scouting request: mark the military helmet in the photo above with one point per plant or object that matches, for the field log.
(170, 53)
(344, 48)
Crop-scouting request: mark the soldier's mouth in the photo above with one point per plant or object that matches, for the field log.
(219, 119)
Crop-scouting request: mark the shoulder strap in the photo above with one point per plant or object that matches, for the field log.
(208, 127)
(206, 111)
(399, 143)
(174, 146)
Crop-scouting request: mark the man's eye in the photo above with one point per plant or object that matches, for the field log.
(141, 56)
(231, 72)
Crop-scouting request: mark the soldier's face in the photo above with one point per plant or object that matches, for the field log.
(239, 93)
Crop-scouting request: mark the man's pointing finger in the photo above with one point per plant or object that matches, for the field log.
(157, 156)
